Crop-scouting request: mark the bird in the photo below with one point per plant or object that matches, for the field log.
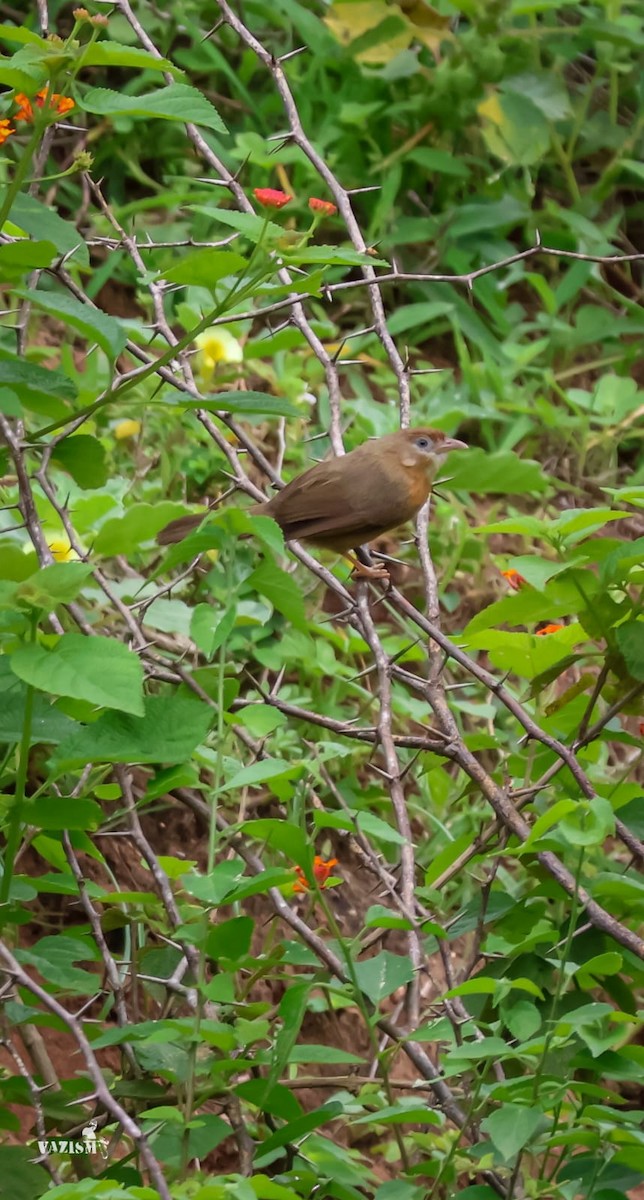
(343, 503)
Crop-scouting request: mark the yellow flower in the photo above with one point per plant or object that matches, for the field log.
(61, 549)
(215, 345)
(127, 429)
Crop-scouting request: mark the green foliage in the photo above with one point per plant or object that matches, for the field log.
(323, 912)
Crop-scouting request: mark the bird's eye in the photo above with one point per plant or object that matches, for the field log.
(423, 443)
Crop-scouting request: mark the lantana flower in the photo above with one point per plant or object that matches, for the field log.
(6, 129)
(552, 628)
(326, 207)
(56, 104)
(214, 346)
(321, 870)
(514, 580)
(271, 197)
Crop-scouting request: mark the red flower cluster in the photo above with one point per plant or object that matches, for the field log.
(272, 198)
(321, 870)
(513, 578)
(54, 104)
(549, 629)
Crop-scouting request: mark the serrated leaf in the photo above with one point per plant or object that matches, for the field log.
(169, 732)
(92, 323)
(40, 390)
(99, 670)
(259, 403)
(176, 102)
(115, 54)
(141, 523)
(511, 1127)
(333, 256)
(380, 976)
(59, 583)
(41, 221)
(630, 639)
(204, 267)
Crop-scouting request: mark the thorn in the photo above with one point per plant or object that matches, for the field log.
(291, 54)
(213, 182)
(356, 191)
(214, 29)
(379, 770)
(280, 137)
(427, 370)
(538, 242)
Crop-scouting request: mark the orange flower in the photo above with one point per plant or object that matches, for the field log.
(640, 729)
(5, 130)
(321, 870)
(549, 629)
(55, 103)
(322, 206)
(271, 197)
(513, 578)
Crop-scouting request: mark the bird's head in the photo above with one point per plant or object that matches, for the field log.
(425, 448)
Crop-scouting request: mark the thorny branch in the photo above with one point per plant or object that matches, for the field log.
(445, 739)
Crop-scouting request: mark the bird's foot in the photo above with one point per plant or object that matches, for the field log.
(377, 572)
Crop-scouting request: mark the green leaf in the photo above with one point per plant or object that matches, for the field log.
(19, 258)
(503, 472)
(514, 129)
(41, 221)
(378, 917)
(209, 629)
(40, 390)
(176, 102)
(511, 1127)
(630, 639)
(376, 828)
(260, 772)
(27, 1179)
(333, 255)
(230, 939)
(283, 836)
(282, 591)
(59, 583)
(244, 403)
(213, 889)
(115, 54)
(54, 957)
(9, 403)
(522, 1018)
(64, 812)
(99, 670)
(85, 459)
(169, 732)
(292, 1011)
(249, 224)
(380, 976)
(203, 268)
(91, 323)
(295, 1130)
(590, 823)
(141, 523)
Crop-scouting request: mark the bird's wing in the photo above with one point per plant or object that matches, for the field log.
(322, 500)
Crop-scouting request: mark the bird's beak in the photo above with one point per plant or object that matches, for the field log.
(452, 444)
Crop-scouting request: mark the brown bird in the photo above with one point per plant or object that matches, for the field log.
(342, 503)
